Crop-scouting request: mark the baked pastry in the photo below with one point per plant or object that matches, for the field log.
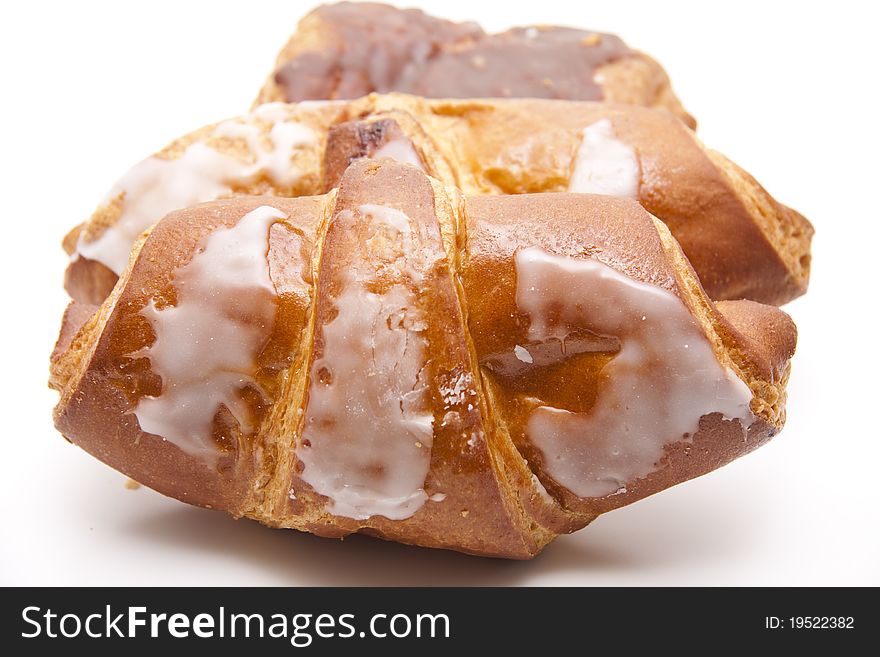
(480, 374)
(348, 50)
(742, 243)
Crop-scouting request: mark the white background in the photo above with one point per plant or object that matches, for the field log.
(787, 90)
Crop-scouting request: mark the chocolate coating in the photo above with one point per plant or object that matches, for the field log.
(378, 48)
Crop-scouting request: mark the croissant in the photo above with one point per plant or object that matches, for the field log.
(348, 50)
(481, 374)
(742, 243)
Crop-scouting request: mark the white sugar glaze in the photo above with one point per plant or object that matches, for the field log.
(604, 164)
(401, 150)
(206, 345)
(654, 391)
(368, 432)
(157, 186)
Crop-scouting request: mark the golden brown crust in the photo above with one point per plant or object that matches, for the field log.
(475, 514)
(765, 338)
(88, 281)
(768, 331)
(75, 316)
(785, 232)
(99, 395)
(612, 231)
(742, 243)
(641, 81)
(364, 138)
(494, 503)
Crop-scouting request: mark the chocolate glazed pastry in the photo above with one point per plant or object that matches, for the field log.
(395, 359)
(348, 50)
(742, 243)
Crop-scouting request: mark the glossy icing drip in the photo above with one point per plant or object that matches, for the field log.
(157, 185)
(207, 344)
(603, 164)
(401, 150)
(368, 431)
(653, 392)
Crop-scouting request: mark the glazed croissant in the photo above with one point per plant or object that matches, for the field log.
(479, 374)
(348, 50)
(742, 243)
